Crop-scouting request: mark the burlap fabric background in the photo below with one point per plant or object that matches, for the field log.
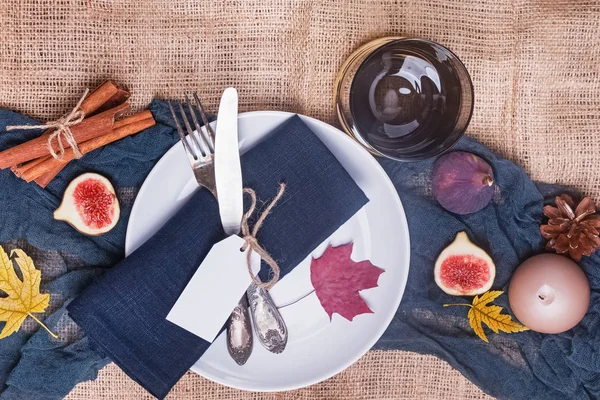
(535, 67)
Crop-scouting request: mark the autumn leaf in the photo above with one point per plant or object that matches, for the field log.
(490, 315)
(24, 297)
(337, 280)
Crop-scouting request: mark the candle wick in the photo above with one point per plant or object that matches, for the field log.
(546, 295)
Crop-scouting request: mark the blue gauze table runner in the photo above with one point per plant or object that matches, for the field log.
(526, 365)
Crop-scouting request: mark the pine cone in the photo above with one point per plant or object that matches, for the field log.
(575, 232)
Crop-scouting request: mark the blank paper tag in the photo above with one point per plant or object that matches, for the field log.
(215, 289)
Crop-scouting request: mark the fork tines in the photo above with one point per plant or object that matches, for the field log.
(198, 149)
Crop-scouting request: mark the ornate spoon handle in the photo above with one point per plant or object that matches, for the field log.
(268, 324)
(239, 333)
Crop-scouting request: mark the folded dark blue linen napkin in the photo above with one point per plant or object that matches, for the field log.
(124, 312)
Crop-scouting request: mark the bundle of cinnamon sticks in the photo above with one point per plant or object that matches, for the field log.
(32, 161)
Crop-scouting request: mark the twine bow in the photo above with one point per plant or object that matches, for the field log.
(252, 243)
(61, 131)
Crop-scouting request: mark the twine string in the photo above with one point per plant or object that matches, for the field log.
(61, 130)
(251, 242)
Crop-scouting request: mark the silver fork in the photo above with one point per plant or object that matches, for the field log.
(199, 143)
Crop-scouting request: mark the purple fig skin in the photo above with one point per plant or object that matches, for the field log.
(463, 183)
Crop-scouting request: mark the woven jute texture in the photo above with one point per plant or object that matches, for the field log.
(378, 375)
(534, 64)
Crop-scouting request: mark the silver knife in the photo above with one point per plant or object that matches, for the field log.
(269, 325)
(228, 179)
(228, 171)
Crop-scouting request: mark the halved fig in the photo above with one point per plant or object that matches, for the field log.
(464, 269)
(90, 205)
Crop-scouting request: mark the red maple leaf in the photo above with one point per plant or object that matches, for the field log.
(337, 280)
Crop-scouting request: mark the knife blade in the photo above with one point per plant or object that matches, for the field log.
(228, 171)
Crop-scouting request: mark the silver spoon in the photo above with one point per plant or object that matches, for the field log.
(239, 333)
(268, 323)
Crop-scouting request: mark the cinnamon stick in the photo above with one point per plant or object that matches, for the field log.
(127, 126)
(133, 118)
(45, 179)
(40, 166)
(102, 95)
(44, 172)
(106, 96)
(119, 97)
(20, 169)
(89, 128)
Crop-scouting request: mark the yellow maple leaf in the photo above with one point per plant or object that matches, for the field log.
(491, 315)
(23, 296)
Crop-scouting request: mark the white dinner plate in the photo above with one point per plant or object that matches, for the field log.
(317, 347)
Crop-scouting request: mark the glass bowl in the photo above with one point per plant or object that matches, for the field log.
(402, 98)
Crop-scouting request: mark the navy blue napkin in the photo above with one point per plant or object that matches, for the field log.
(124, 311)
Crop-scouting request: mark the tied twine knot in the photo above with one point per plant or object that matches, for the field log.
(252, 243)
(61, 131)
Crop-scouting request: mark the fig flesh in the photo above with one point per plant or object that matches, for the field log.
(463, 183)
(464, 269)
(90, 205)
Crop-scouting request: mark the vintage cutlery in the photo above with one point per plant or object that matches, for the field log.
(239, 333)
(228, 179)
(268, 323)
(198, 144)
(228, 170)
(271, 330)
(216, 167)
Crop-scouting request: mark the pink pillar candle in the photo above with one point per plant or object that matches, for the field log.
(549, 293)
